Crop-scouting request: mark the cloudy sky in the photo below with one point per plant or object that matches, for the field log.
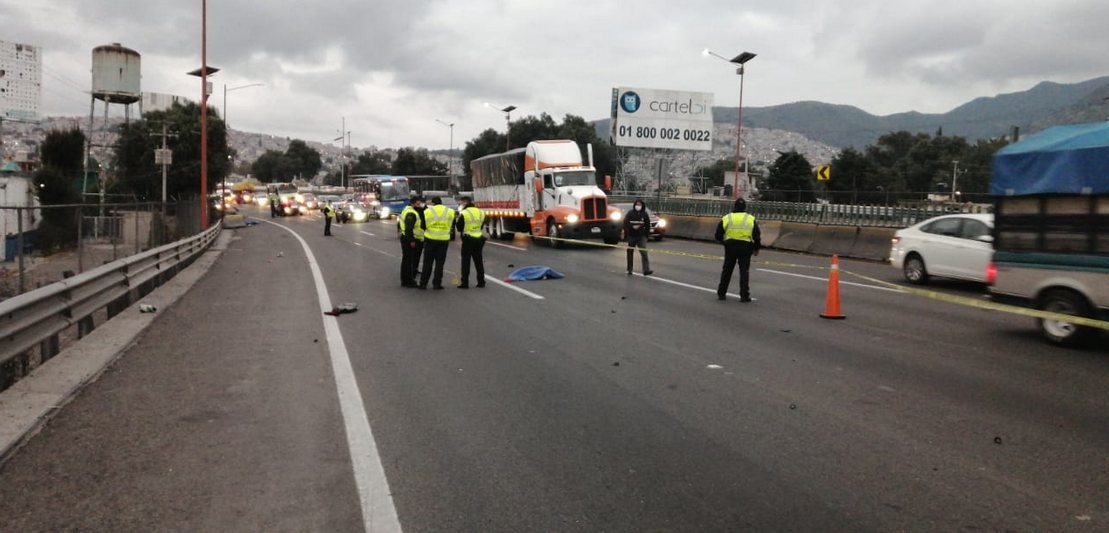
(392, 67)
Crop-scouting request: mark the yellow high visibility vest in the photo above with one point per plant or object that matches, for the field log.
(473, 218)
(328, 211)
(739, 227)
(417, 230)
(438, 219)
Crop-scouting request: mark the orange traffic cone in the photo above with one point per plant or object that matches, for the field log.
(831, 303)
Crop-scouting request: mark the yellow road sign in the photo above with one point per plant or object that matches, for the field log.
(823, 173)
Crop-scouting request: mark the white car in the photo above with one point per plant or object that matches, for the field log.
(950, 246)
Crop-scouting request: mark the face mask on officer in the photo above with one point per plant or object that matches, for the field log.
(638, 207)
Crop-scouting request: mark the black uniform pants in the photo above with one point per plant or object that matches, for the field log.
(435, 254)
(326, 225)
(410, 261)
(472, 250)
(639, 241)
(736, 252)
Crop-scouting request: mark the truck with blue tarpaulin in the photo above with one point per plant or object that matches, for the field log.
(1051, 227)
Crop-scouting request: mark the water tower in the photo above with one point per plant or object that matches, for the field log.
(116, 74)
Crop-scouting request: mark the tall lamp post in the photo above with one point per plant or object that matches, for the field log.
(507, 110)
(738, 60)
(226, 90)
(450, 160)
(344, 142)
(203, 73)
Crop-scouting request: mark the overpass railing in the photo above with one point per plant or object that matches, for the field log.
(882, 216)
(38, 317)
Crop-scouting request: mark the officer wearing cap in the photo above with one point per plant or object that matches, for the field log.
(739, 233)
(438, 233)
(469, 223)
(412, 227)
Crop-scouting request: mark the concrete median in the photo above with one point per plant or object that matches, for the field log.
(686, 227)
(795, 236)
(873, 243)
(834, 239)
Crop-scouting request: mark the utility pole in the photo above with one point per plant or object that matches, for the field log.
(163, 157)
(954, 181)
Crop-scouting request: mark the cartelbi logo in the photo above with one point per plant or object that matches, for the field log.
(630, 102)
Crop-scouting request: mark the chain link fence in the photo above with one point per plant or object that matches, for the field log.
(46, 244)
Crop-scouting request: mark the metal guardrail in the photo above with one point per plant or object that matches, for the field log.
(39, 316)
(880, 216)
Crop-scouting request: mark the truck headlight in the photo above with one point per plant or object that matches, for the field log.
(572, 219)
(616, 215)
(385, 212)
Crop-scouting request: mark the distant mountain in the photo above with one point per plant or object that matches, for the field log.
(841, 126)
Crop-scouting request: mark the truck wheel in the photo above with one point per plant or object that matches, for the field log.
(914, 269)
(552, 232)
(1061, 332)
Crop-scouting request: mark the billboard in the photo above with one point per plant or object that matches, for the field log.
(655, 118)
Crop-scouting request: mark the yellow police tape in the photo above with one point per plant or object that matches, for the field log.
(934, 295)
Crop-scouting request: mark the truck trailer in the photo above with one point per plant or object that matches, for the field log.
(544, 190)
(1051, 228)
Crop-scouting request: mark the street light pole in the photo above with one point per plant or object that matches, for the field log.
(226, 90)
(507, 110)
(450, 158)
(954, 180)
(203, 115)
(739, 60)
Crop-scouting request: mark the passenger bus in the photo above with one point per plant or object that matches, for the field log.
(386, 195)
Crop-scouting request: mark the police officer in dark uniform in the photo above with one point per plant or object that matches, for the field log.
(468, 224)
(328, 214)
(411, 240)
(739, 233)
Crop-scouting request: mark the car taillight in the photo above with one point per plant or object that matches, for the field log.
(991, 274)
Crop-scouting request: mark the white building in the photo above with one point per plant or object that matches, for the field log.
(20, 80)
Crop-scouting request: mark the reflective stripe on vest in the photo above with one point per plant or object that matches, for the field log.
(473, 219)
(438, 219)
(740, 229)
(417, 231)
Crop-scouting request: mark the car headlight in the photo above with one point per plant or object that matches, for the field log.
(661, 223)
(358, 212)
(384, 212)
(572, 219)
(616, 215)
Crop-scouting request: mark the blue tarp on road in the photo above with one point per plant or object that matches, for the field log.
(1060, 160)
(532, 273)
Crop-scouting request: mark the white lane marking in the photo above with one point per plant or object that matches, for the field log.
(688, 286)
(378, 512)
(515, 288)
(503, 245)
(818, 278)
(714, 367)
(366, 233)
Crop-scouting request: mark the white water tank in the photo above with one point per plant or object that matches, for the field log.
(116, 74)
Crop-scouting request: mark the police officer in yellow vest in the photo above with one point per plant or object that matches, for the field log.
(739, 233)
(411, 223)
(469, 223)
(439, 232)
(328, 214)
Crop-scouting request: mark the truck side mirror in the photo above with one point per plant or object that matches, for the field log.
(608, 183)
(539, 185)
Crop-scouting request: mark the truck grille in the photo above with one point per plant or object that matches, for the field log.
(594, 208)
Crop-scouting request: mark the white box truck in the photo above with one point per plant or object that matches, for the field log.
(544, 190)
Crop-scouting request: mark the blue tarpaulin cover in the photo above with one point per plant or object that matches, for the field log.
(531, 273)
(1060, 160)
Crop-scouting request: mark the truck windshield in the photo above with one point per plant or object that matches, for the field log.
(568, 179)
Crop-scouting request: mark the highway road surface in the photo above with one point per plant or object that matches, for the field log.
(597, 402)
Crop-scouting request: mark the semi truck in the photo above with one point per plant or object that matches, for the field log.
(1051, 228)
(544, 190)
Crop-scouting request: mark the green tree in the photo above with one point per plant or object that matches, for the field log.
(304, 161)
(716, 171)
(134, 157)
(273, 166)
(62, 161)
(487, 142)
(375, 163)
(855, 173)
(791, 176)
(416, 162)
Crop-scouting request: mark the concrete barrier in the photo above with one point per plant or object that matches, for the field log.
(686, 227)
(234, 221)
(769, 231)
(873, 243)
(795, 236)
(834, 239)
